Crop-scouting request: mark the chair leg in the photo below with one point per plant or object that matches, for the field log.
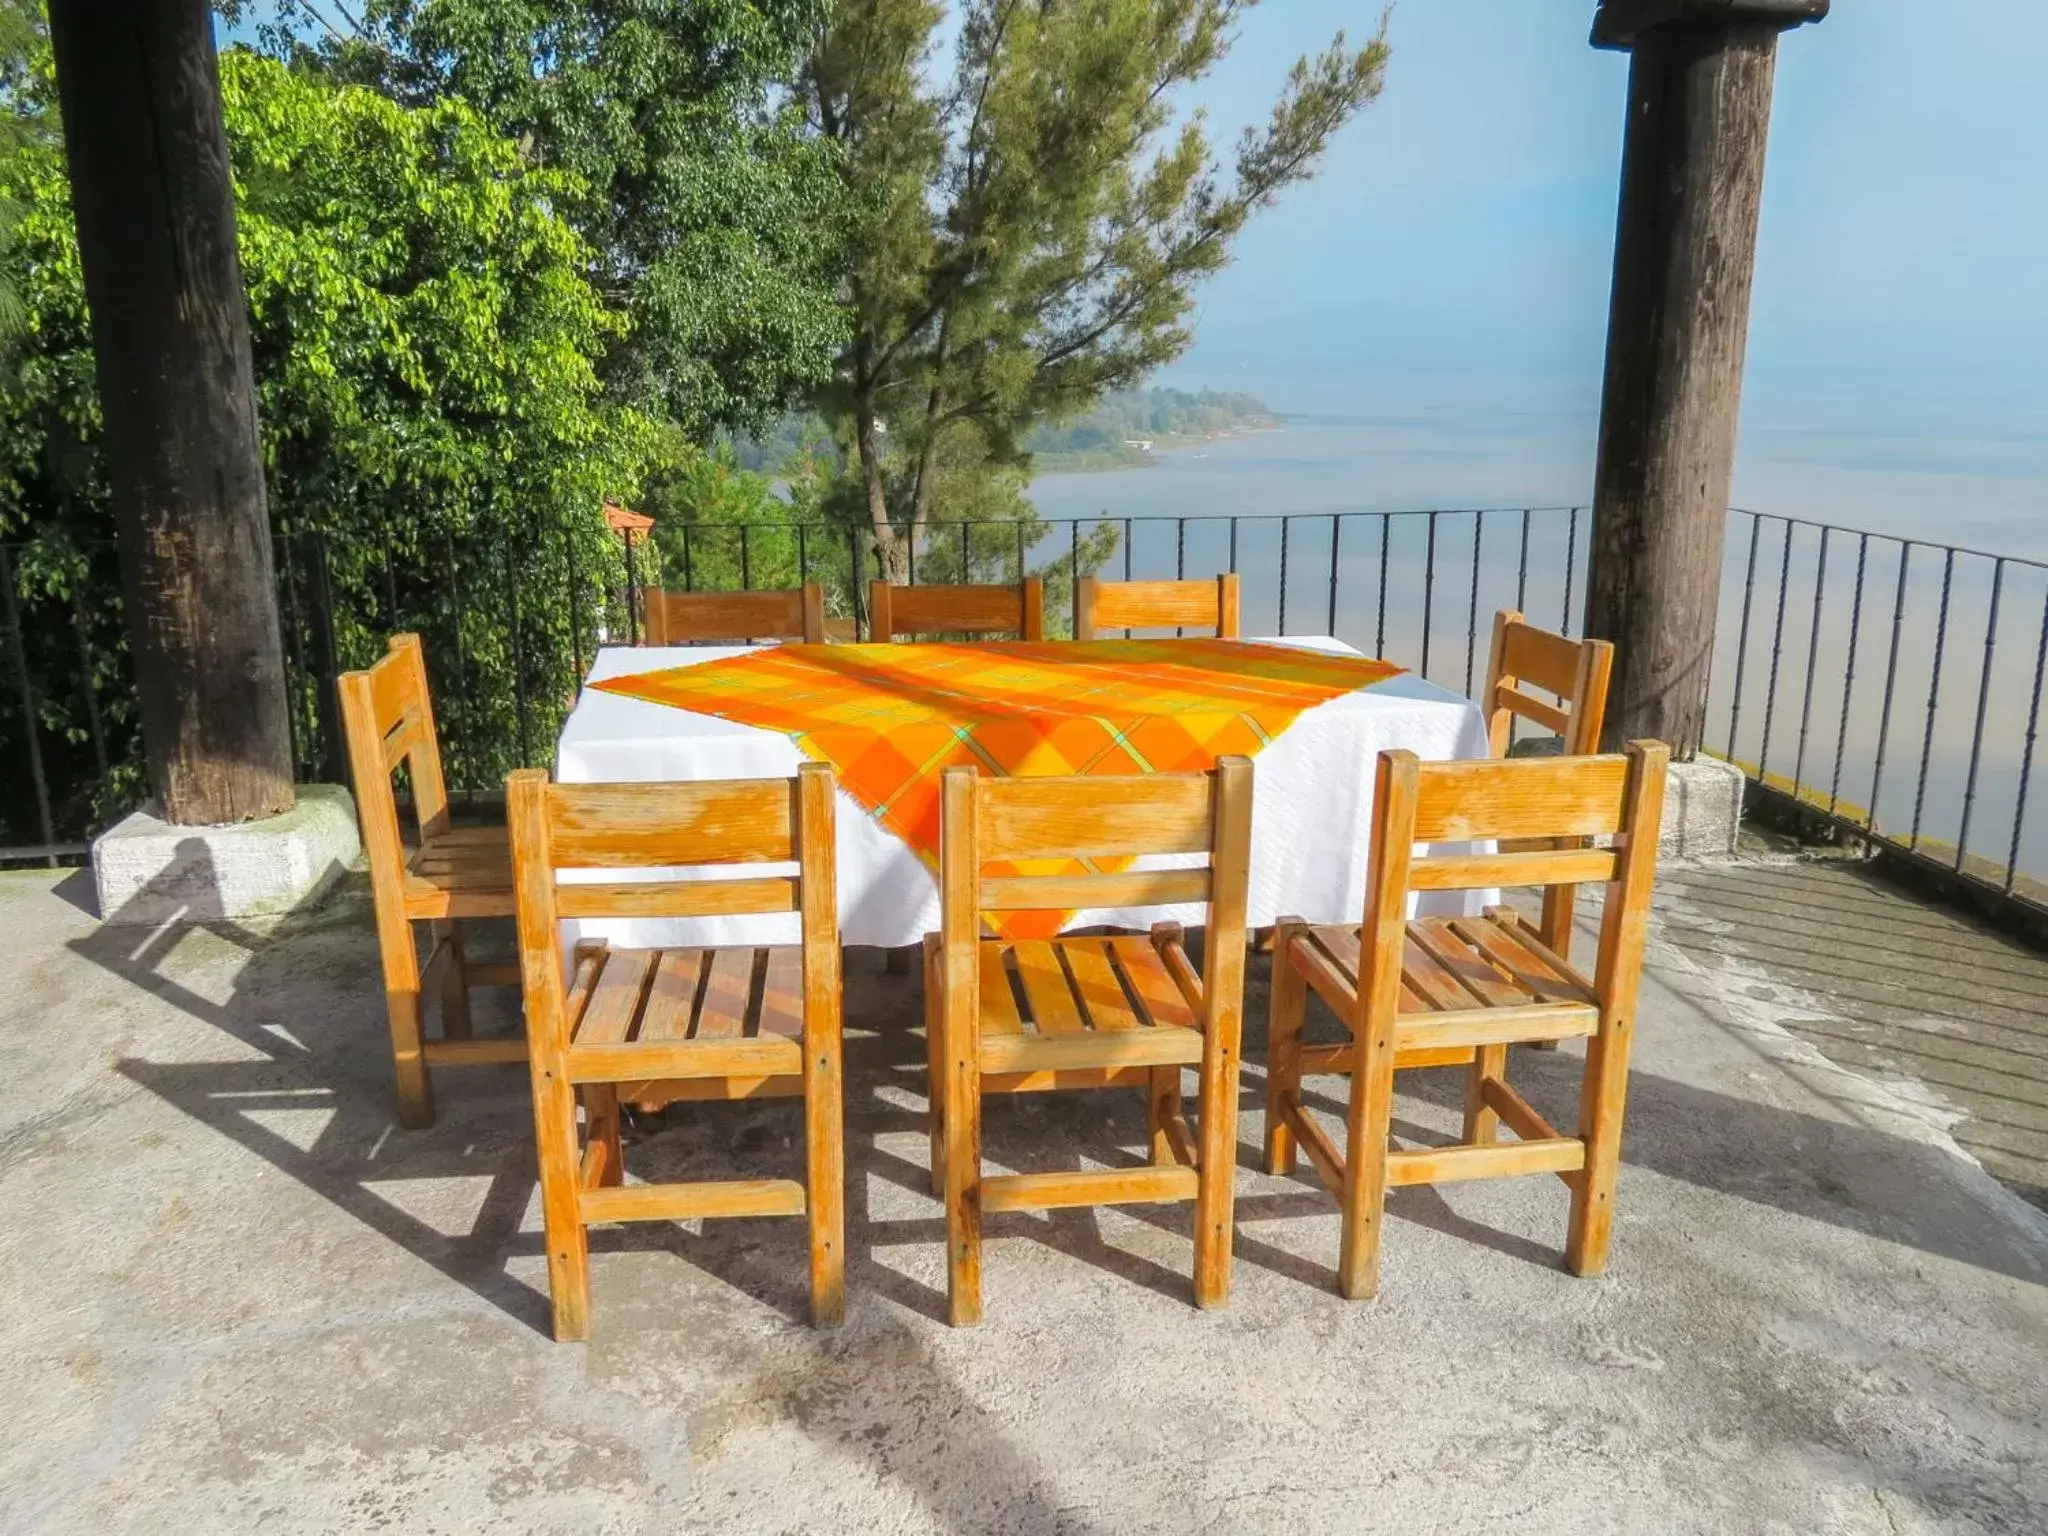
(935, 1069)
(961, 1111)
(402, 1004)
(601, 1115)
(1368, 1125)
(1601, 1102)
(1285, 1015)
(554, 1125)
(1480, 1121)
(1215, 1206)
(1162, 1103)
(825, 1170)
(455, 1023)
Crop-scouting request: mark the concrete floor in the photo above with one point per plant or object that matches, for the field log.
(237, 1298)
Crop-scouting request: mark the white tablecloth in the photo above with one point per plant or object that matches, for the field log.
(1311, 804)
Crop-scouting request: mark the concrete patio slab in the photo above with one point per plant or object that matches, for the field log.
(236, 1297)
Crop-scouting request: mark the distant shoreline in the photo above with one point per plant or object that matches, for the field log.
(1141, 458)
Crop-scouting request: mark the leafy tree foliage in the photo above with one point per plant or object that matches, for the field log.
(712, 213)
(436, 437)
(1035, 223)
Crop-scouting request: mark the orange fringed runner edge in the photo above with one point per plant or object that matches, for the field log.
(890, 719)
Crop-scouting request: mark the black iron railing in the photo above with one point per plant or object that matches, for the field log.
(1890, 689)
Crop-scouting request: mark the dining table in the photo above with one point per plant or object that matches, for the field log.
(1311, 711)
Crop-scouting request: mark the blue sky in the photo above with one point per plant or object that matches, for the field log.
(1463, 226)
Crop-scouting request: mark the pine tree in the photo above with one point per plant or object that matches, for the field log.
(1034, 220)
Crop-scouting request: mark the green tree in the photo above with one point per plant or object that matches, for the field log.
(1035, 225)
(437, 441)
(713, 214)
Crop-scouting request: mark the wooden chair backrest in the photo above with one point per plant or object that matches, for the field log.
(684, 618)
(1211, 605)
(1510, 800)
(940, 610)
(1575, 672)
(693, 826)
(387, 716)
(1004, 820)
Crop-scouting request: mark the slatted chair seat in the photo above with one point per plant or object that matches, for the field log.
(463, 873)
(1099, 1004)
(638, 1016)
(1465, 981)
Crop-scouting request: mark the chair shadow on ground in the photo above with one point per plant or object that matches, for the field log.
(306, 1016)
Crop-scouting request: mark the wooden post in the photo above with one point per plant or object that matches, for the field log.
(140, 91)
(1685, 248)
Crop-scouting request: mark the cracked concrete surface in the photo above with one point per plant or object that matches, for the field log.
(237, 1298)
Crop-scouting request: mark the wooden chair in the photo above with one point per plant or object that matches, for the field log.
(1092, 1012)
(685, 618)
(1436, 989)
(654, 1026)
(1575, 674)
(451, 873)
(1018, 610)
(1211, 605)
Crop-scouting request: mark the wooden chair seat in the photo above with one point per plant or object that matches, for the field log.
(1465, 982)
(1105, 1005)
(640, 1015)
(465, 872)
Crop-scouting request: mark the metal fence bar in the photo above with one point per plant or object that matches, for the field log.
(1379, 644)
(1336, 555)
(1742, 639)
(1428, 593)
(1180, 563)
(1472, 603)
(90, 687)
(519, 654)
(1777, 652)
(1891, 677)
(1522, 566)
(1285, 524)
(1983, 703)
(1948, 571)
(1571, 565)
(25, 688)
(2019, 811)
(1820, 588)
(1849, 673)
(575, 606)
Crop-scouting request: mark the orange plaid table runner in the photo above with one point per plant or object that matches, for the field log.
(890, 719)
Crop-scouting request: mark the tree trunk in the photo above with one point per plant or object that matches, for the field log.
(888, 547)
(140, 91)
(1685, 249)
